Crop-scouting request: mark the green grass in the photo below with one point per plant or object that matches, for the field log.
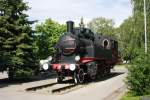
(130, 96)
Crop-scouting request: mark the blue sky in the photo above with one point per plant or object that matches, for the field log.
(63, 10)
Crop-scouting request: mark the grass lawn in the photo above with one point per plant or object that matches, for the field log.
(130, 96)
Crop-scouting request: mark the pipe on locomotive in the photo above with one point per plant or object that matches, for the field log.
(70, 26)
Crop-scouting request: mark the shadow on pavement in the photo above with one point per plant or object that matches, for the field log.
(99, 79)
(6, 81)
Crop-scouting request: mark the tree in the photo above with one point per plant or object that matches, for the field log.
(138, 14)
(129, 40)
(102, 26)
(48, 34)
(132, 30)
(138, 6)
(16, 38)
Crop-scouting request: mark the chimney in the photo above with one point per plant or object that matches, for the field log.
(70, 26)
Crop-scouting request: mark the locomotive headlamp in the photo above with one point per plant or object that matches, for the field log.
(77, 58)
(43, 61)
(72, 67)
(45, 66)
(49, 58)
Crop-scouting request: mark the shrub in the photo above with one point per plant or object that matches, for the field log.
(23, 73)
(138, 78)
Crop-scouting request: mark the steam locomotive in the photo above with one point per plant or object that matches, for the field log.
(80, 53)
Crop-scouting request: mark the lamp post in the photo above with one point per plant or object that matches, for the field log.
(145, 27)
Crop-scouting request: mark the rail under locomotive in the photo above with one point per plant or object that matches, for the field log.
(80, 53)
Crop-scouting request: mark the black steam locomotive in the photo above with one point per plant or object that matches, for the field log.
(80, 53)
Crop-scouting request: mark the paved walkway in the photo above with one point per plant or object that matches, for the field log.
(101, 90)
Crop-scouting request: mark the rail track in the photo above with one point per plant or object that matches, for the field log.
(40, 87)
(53, 88)
(64, 87)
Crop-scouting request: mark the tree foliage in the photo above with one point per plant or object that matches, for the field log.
(131, 31)
(16, 37)
(48, 34)
(139, 4)
(102, 26)
(138, 14)
(129, 41)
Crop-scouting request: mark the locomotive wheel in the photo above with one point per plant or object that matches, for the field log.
(93, 77)
(92, 70)
(79, 77)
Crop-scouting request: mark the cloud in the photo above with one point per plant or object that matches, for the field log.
(63, 10)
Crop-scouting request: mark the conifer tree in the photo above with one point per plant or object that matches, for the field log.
(16, 38)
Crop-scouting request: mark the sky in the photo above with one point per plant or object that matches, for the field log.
(64, 10)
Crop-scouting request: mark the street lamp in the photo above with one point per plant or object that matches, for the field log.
(145, 26)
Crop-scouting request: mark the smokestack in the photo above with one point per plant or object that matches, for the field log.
(70, 26)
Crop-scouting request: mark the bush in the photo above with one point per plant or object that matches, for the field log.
(138, 78)
(23, 73)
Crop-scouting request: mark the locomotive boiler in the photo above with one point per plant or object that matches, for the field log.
(81, 53)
